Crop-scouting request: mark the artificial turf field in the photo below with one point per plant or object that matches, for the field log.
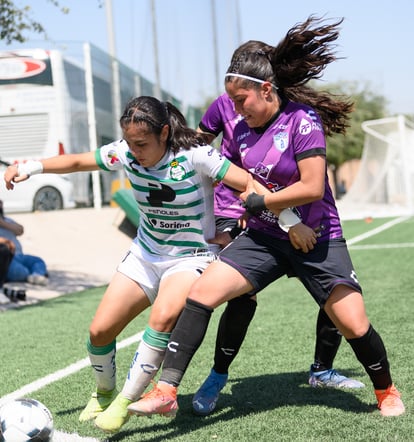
(267, 397)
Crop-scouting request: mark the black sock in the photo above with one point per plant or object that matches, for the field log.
(187, 336)
(328, 340)
(370, 351)
(232, 330)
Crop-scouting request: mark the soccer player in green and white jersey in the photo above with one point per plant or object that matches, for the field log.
(172, 172)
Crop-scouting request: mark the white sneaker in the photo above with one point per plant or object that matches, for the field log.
(331, 378)
(37, 279)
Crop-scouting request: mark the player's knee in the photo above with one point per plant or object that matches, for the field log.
(164, 321)
(356, 331)
(99, 337)
(199, 291)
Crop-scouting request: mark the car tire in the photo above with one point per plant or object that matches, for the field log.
(47, 198)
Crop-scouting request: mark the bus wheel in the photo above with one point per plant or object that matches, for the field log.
(47, 198)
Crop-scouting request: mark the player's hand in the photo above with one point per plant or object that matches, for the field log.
(242, 222)
(302, 237)
(249, 188)
(11, 176)
(221, 238)
(259, 188)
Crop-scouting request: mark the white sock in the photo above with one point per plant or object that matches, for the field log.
(104, 368)
(145, 364)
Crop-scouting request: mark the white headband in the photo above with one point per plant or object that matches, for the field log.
(246, 77)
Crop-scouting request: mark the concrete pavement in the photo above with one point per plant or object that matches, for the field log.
(81, 247)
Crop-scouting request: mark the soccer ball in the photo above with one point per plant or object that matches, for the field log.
(24, 420)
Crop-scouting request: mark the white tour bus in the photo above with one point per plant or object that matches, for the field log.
(44, 112)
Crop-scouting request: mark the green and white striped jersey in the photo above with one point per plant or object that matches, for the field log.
(175, 197)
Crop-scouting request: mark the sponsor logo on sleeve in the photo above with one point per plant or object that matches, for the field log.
(113, 157)
(305, 127)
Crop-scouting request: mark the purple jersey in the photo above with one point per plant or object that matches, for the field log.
(271, 157)
(221, 117)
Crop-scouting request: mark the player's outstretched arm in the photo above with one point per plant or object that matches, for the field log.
(60, 164)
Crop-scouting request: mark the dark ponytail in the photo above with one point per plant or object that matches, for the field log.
(155, 115)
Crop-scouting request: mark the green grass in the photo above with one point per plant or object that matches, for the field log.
(267, 397)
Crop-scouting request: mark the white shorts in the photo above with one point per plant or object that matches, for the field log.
(148, 270)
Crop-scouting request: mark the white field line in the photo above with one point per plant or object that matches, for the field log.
(382, 246)
(77, 366)
(60, 374)
(60, 436)
(379, 229)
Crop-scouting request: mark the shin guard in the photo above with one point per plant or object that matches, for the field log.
(232, 330)
(370, 351)
(186, 337)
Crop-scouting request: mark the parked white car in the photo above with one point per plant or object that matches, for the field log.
(39, 192)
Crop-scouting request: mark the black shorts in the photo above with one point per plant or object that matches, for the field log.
(262, 259)
(225, 224)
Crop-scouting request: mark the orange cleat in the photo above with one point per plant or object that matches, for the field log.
(162, 400)
(389, 401)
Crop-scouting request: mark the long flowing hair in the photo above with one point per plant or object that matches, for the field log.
(300, 56)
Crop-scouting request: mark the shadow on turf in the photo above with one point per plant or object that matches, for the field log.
(248, 395)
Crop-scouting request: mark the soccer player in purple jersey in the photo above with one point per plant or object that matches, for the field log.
(221, 118)
(281, 141)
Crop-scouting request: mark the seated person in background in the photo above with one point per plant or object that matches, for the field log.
(23, 268)
(7, 249)
(6, 255)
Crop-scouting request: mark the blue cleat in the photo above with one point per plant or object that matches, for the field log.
(205, 399)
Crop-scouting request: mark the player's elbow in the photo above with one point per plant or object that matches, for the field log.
(316, 192)
(319, 194)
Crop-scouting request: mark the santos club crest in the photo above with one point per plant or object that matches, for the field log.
(177, 172)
